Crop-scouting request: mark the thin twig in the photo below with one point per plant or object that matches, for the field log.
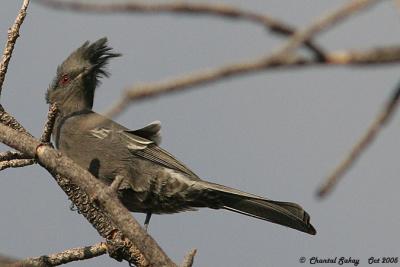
(16, 163)
(13, 34)
(14, 159)
(48, 128)
(323, 23)
(180, 7)
(381, 55)
(189, 258)
(116, 183)
(397, 5)
(69, 255)
(10, 155)
(366, 140)
(281, 57)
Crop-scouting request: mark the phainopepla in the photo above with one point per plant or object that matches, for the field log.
(154, 180)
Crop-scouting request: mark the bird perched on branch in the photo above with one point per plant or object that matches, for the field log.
(154, 181)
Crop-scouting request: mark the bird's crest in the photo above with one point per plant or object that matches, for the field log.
(91, 57)
(95, 55)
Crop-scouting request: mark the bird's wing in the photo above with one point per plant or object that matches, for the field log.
(158, 155)
(151, 132)
(144, 148)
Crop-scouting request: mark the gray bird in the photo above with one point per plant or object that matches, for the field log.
(154, 181)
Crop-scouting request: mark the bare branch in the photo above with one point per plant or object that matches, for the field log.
(16, 163)
(69, 255)
(13, 34)
(11, 159)
(9, 155)
(48, 128)
(217, 10)
(55, 163)
(323, 23)
(281, 57)
(189, 258)
(14, 159)
(382, 55)
(10, 121)
(116, 183)
(366, 140)
(118, 247)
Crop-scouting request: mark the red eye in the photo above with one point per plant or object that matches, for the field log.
(64, 79)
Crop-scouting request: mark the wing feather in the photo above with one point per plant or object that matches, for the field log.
(144, 148)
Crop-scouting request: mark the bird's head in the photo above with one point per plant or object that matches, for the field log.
(77, 77)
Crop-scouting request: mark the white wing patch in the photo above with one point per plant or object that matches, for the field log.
(151, 132)
(100, 133)
(135, 142)
(180, 177)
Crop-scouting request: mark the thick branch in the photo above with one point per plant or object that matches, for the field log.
(55, 162)
(10, 121)
(13, 34)
(119, 247)
(11, 159)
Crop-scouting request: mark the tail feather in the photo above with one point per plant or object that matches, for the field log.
(284, 213)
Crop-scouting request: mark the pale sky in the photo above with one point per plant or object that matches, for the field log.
(276, 134)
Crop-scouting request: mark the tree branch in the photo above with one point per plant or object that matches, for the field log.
(56, 163)
(366, 140)
(189, 258)
(381, 55)
(16, 163)
(13, 159)
(320, 24)
(10, 155)
(216, 10)
(281, 57)
(69, 255)
(10, 121)
(119, 247)
(48, 128)
(13, 34)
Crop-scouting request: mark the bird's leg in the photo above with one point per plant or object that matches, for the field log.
(147, 221)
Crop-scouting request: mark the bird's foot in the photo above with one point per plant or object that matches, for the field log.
(147, 221)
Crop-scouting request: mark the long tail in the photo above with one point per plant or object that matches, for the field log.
(284, 213)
